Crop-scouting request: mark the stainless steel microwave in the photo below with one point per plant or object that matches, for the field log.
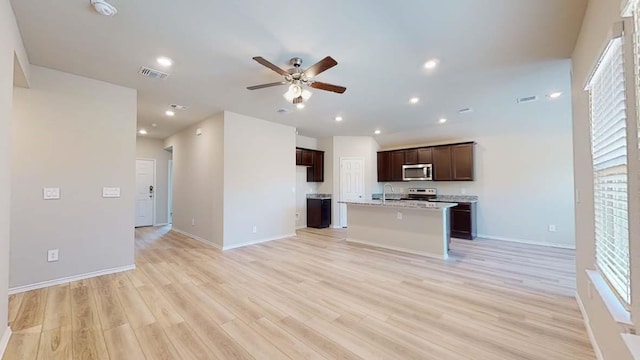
(417, 172)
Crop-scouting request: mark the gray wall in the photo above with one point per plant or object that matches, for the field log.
(238, 174)
(600, 16)
(147, 148)
(197, 179)
(79, 135)
(259, 180)
(13, 63)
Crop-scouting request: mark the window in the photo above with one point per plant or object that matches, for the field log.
(609, 150)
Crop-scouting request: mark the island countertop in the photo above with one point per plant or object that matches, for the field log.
(404, 204)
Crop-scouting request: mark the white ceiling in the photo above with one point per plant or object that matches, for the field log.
(490, 51)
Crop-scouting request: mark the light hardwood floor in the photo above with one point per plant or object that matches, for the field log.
(312, 296)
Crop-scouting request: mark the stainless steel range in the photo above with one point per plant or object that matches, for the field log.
(421, 194)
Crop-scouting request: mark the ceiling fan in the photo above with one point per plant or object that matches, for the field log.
(296, 77)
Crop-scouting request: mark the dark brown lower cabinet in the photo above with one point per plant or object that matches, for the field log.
(318, 213)
(463, 221)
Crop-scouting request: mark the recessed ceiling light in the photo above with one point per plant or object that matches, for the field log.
(142, 132)
(300, 106)
(164, 61)
(554, 95)
(431, 64)
(377, 132)
(414, 100)
(338, 118)
(169, 113)
(154, 125)
(442, 120)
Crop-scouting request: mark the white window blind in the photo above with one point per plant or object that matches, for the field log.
(609, 149)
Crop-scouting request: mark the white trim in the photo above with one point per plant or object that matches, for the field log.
(155, 188)
(301, 227)
(587, 324)
(525, 241)
(197, 238)
(4, 341)
(610, 300)
(253, 242)
(161, 224)
(421, 253)
(68, 279)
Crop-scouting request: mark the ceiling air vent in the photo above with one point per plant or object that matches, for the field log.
(282, 111)
(178, 107)
(152, 73)
(527, 99)
(465, 110)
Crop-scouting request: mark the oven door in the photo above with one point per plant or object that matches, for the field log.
(417, 172)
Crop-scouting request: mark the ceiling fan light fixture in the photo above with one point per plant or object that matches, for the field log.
(296, 94)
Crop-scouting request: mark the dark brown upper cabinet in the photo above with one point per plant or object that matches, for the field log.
(315, 173)
(462, 162)
(453, 162)
(314, 161)
(442, 163)
(425, 155)
(411, 157)
(384, 166)
(397, 160)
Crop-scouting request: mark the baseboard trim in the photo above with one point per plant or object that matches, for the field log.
(161, 224)
(524, 241)
(253, 242)
(4, 341)
(592, 338)
(68, 279)
(301, 227)
(395, 248)
(197, 238)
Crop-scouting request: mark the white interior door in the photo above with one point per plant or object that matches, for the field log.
(145, 191)
(351, 184)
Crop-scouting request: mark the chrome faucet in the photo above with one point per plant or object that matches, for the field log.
(384, 192)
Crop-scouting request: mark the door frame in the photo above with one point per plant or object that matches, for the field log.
(155, 187)
(170, 192)
(364, 184)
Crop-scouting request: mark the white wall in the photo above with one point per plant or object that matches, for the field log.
(198, 179)
(147, 148)
(524, 183)
(11, 48)
(77, 134)
(347, 146)
(259, 180)
(600, 15)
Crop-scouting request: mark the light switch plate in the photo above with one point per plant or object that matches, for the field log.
(51, 193)
(110, 192)
(52, 255)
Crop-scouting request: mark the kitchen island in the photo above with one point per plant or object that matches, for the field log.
(418, 227)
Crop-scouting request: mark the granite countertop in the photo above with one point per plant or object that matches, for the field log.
(319, 196)
(439, 198)
(404, 204)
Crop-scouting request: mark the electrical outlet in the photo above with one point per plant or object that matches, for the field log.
(552, 228)
(193, 222)
(399, 215)
(255, 229)
(51, 193)
(52, 255)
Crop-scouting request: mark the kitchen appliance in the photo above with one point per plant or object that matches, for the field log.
(421, 194)
(417, 172)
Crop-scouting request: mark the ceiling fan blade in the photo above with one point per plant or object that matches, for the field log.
(266, 63)
(256, 87)
(328, 87)
(320, 66)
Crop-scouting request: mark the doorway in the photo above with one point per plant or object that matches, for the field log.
(351, 184)
(145, 192)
